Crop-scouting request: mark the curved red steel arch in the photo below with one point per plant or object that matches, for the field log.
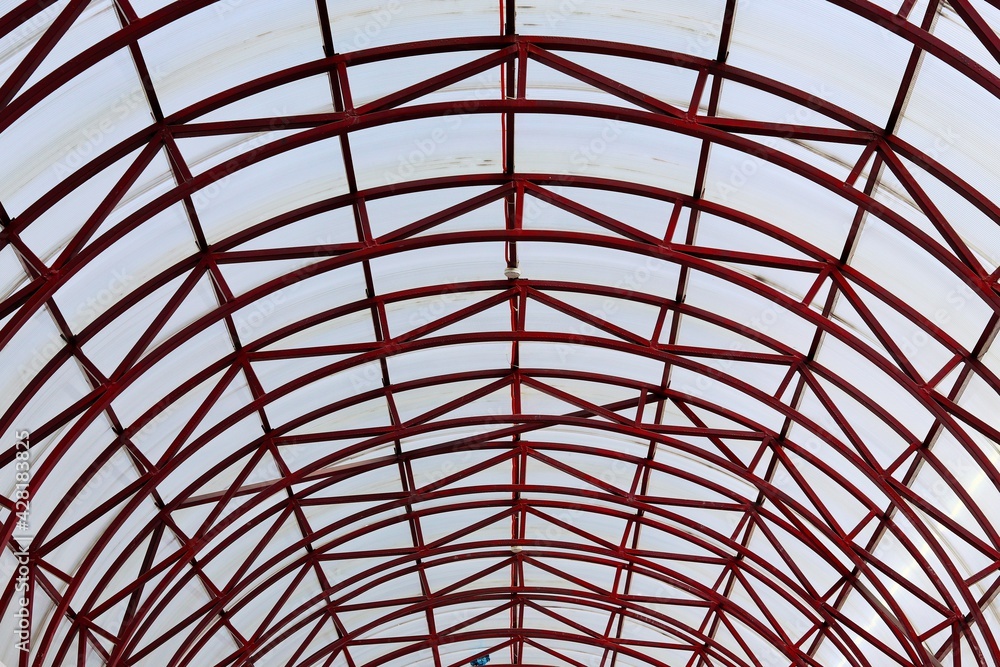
(132, 641)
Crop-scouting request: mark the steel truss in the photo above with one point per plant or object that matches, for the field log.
(749, 561)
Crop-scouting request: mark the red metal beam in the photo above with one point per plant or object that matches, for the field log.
(512, 433)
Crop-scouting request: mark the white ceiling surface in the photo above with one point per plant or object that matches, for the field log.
(814, 46)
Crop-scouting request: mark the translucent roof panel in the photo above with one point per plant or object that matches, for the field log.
(565, 333)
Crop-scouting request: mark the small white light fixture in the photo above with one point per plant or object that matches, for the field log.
(515, 548)
(512, 272)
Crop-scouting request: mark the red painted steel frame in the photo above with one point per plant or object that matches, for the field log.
(780, 511)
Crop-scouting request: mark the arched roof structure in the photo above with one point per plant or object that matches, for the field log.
(385, 333)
